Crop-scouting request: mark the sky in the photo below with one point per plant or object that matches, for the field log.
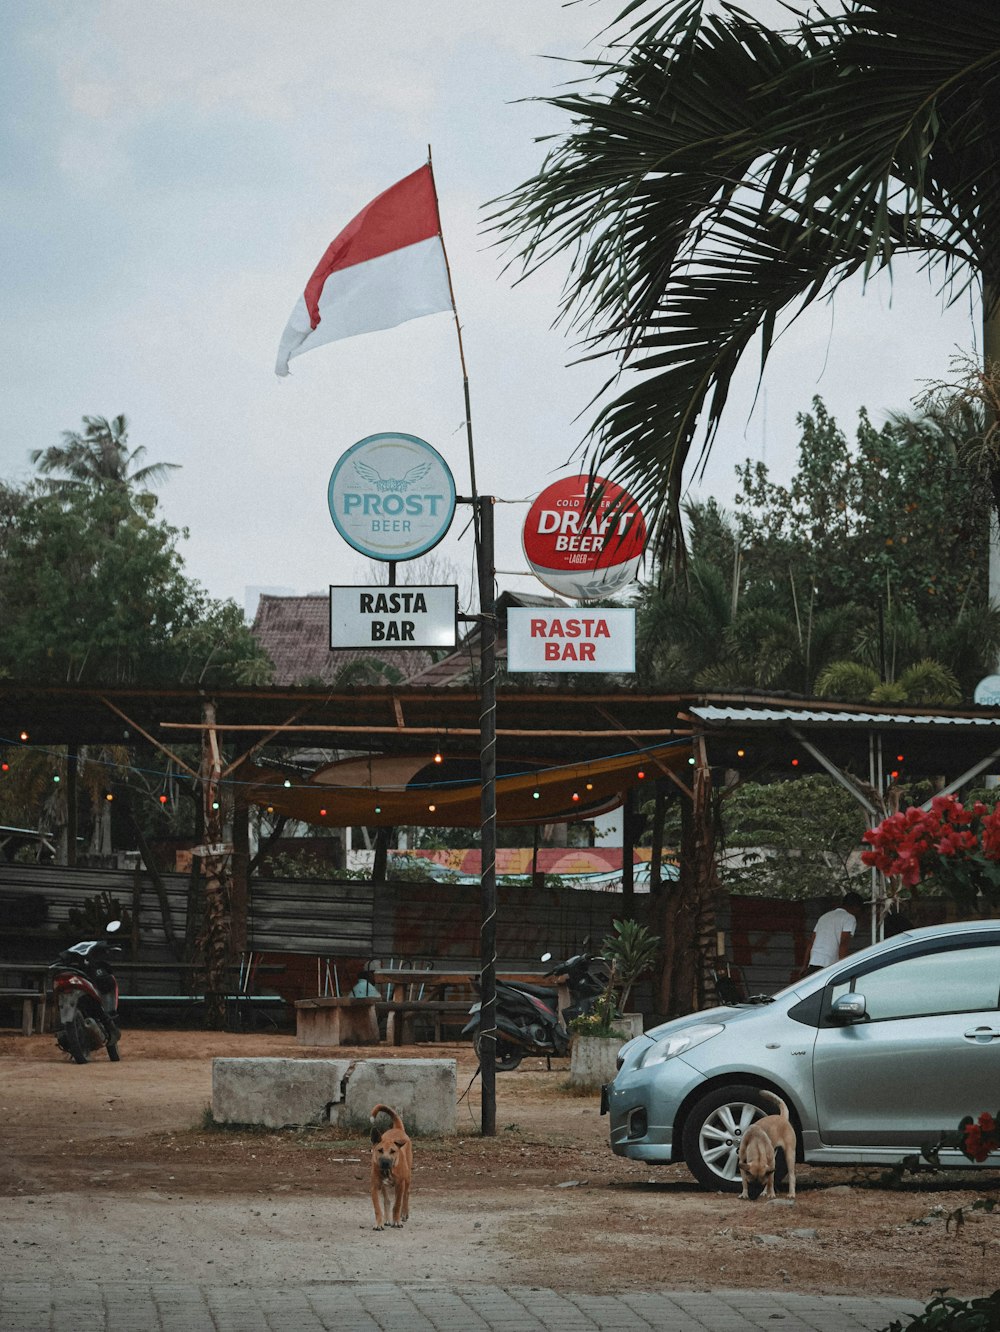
(174, 169)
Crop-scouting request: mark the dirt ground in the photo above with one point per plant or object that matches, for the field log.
(112, 1167)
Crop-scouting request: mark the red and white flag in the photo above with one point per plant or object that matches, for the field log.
(385, 267)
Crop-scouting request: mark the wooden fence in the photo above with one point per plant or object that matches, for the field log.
(297, 927)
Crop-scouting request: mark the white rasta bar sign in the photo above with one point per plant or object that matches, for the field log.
(388, 617)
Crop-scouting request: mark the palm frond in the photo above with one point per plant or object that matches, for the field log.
(719, 176)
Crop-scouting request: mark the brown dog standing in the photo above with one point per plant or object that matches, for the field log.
(757, 1148)
(392, 1168)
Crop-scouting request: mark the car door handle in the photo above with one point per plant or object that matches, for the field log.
(982, 1035)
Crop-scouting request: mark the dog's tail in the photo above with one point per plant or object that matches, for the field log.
(782, 1107)
(397, 1123)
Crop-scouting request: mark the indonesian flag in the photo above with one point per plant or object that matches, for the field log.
(385, 267)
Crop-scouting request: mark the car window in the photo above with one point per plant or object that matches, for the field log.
(961, 980)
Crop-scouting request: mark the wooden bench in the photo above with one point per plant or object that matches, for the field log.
(32, 1002)
(332, 1021)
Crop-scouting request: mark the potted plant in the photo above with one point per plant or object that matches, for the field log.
(600, 1034)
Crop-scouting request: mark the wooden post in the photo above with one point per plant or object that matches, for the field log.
(687, 916)
(216, 936)
(240, 889)
(72, 797)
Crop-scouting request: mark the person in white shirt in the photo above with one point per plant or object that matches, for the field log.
(832, 933)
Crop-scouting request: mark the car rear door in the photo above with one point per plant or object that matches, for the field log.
(926, 1055)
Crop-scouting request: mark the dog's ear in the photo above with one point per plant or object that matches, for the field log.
(375, 1134)
(400, 1142)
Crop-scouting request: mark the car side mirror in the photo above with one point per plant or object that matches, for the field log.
(848, 1008)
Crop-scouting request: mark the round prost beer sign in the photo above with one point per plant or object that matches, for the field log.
(579, 554)
(392, 496)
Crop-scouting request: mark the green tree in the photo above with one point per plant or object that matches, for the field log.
(720, 175)
(793, 839)
(98, 458)
(92, 589)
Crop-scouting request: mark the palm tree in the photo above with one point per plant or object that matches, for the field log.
(719, 176)
(98, 458)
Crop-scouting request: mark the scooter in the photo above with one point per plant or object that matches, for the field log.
(87, 995)
(528, 1020)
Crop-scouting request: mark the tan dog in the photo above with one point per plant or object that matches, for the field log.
(757, 1148)
(392, 1168)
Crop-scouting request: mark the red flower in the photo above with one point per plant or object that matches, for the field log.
(979, 1137)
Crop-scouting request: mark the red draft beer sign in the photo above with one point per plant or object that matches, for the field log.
(584, 559)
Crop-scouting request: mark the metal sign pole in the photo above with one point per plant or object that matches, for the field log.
(488, 816)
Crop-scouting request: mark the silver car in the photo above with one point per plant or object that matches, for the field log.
(875, 1056)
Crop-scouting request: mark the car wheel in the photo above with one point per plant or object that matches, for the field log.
(712, 1134)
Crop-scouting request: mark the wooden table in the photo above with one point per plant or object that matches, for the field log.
(413, 992)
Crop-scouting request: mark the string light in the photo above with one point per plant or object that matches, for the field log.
(322, 813)
(437, 755)
(536, 795)
(24, 735)
(108, 795)
(590, 786)
(432, 808)
(641, 775)
(741, 753)
(576, 795)
(287, 782)
(163, 799)
(56, 777)
(795, 763)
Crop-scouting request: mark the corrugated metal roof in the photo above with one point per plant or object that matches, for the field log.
(722, 716)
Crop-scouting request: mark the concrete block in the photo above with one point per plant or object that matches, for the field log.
(277, 1092)
(422, 1091)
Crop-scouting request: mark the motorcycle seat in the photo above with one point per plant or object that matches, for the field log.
(540, 991)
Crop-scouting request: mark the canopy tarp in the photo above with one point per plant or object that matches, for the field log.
(400, 790)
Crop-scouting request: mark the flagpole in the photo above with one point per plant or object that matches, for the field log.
(482, 517)
(461, 357)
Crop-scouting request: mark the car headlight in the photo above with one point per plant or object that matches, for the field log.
(668, 1047)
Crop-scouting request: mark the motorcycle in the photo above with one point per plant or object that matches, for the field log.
(87, 994)
(528, 1020)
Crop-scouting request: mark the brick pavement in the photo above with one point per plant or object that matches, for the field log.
(385, 1306)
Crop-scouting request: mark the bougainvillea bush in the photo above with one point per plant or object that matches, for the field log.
(979, 1137)
(956, 848)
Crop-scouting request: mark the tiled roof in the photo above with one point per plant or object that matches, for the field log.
(295, 634)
